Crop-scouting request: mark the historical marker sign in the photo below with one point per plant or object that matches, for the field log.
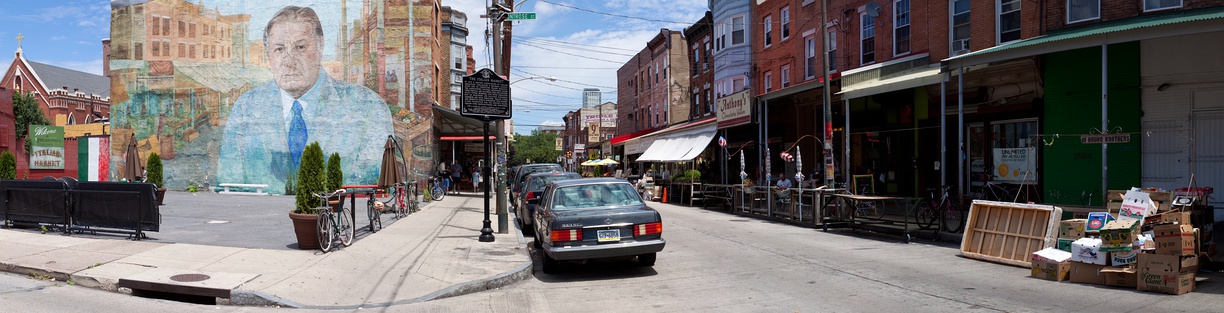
(485, 95)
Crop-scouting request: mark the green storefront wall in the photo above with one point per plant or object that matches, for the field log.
(1073, 108)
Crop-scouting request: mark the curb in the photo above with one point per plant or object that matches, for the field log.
(521, 272)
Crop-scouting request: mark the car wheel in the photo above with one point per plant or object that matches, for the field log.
(647, 259)
(551, 265)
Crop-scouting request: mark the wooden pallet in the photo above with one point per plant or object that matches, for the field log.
(1009, 233)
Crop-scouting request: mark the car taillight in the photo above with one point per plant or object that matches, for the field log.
(530, 196)
(648, 229)
(567, 235)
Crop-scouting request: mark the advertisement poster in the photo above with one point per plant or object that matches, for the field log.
(46, 147)
(1015, 165)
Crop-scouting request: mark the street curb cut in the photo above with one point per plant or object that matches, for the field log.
(34, 271)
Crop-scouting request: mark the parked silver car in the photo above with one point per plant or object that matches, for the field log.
(595, 218)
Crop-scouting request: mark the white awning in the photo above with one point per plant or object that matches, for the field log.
(923, 77)
(680, 146)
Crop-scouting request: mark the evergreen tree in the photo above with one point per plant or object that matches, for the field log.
(26, 109)
(311, 180)
(335, 176)
(154, 170)
(8, 166)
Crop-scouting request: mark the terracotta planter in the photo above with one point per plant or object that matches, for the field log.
(306, 227)
(161, 196)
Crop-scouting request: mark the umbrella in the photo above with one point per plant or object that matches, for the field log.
(389, 175)
(131, 170)
(798, 164)
(608, 161)
(743, 174)
(768, 166)
(589, 163)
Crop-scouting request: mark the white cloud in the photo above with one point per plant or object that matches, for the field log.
(86, 23)
(58, 38)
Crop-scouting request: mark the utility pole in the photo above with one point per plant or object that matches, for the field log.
(827, 103)
(501, 65)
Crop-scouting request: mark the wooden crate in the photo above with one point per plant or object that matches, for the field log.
(1009, 233)
(1162, 200)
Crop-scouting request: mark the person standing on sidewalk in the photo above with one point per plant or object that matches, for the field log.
(456, 171)
(476, 178)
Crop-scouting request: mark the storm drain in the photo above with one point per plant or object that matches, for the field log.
(189, 278)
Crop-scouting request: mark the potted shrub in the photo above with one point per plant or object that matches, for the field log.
(335, 179)
(154, 176)
(305, 214)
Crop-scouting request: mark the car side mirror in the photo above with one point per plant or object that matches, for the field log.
(532, 198)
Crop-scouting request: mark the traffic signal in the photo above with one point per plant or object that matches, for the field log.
(569, 154)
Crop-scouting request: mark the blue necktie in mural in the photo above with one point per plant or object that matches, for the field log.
(297, 134)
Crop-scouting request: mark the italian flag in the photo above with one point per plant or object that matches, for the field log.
(93, 158)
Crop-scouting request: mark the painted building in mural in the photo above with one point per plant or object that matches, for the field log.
(230, 91)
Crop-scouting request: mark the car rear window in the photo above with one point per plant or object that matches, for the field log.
(538, 182)
(593, 196)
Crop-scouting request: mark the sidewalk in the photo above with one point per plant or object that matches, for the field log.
(430, 254)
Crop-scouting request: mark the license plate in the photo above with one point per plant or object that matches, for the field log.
(608, 235)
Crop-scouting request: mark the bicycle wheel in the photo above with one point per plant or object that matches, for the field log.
(326, 232)
(400, 202)
(374, 215)
(924, 215)
(344, 229)
(954, 217)
(868, 210)
(437, 193)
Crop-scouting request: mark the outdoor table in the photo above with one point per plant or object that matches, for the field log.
(362, 190)
(816, 199)
(850, 202)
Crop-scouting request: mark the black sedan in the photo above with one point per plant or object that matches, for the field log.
(595, 218)
(533, 186)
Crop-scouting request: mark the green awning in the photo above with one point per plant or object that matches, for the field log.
(1170, 24)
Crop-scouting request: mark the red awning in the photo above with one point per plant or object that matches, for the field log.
(464, 138)
(626, 137)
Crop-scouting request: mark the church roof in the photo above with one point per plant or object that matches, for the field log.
(56, 78)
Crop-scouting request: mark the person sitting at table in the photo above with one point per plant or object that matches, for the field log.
(784, 182)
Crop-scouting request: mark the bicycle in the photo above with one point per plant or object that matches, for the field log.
(945, 210)
(436, 189)
(333, 224)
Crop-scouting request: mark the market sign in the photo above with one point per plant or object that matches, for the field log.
(639, 145)
(46, 147)
(734, 110)
(473, 147)
(1105, 138)
(593, 132)
(558, 144)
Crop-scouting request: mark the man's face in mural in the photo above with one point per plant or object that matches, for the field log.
(293, 51)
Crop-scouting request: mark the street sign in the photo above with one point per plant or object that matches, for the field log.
(485, 95)
(518, 16)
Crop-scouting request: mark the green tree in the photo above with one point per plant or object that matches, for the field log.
(537, 147)
(154, 170)
(25, 107)
(311, 179)
(335, 176)
(8, 166)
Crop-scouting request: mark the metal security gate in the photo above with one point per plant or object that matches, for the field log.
(1207, 160)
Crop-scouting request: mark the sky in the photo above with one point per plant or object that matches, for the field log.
(580, 43)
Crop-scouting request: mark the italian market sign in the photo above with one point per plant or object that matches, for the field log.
(46, 147)
(1105, 138)
(734, 110)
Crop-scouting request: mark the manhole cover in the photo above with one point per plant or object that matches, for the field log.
(189, 278)
(499, 253)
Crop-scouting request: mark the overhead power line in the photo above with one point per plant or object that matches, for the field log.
(576, 44)
(567, 53)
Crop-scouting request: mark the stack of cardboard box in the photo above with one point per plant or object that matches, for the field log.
(1142, 247)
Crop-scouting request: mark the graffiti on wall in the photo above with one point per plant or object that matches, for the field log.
(231, 91)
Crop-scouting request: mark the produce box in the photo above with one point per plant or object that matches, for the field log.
(1088, 250)
(1122, 258)
(1096, 221)
(1087, 273)
(1120, 276)
(1072, 229)
(1169, 274)
(1119, 235)
(1174, 239)
(1064, 244)
(1056, 271)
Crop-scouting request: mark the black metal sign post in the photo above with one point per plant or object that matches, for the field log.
(486, 96)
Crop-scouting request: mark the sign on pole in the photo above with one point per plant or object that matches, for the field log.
(486, 96)
(518, 16)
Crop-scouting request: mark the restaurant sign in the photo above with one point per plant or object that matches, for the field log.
(734, 110)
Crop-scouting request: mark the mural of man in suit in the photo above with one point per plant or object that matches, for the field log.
(269, 126)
